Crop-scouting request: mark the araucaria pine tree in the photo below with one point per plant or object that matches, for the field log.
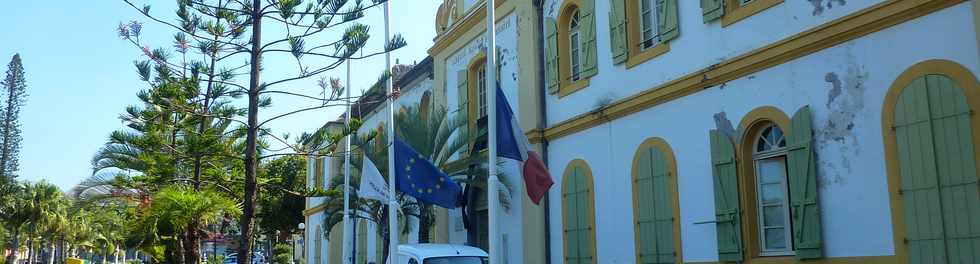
(14, 96)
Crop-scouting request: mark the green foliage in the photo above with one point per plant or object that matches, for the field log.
(14, 87)
(281, 208)
(216, 259)
(179, 206)
(282, 254)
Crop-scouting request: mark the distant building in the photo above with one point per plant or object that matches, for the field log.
(414, 83)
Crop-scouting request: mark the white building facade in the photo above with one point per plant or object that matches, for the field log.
(763, 131)
(724, 131)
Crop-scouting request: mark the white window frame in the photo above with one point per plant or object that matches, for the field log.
(649, 24)
(481, 91)
(774, 153)
(575, 47)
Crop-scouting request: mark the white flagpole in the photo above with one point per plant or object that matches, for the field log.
(347, 151)
(392, 214)
(491, 93)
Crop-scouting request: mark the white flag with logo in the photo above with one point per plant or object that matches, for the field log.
(373, 185)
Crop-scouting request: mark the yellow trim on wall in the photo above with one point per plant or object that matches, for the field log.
(535, 136)
(662, 145)
(313, 210)
(564, 215)
(636, 54)
(458, 29)
(836, 260)
(735, 12)
(565, 84)
(971, 89)
(751, 125)
(864, 22)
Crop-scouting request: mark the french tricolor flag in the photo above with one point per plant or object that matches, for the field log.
(513, 144)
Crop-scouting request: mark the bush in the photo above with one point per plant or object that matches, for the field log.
(216, 259)
(282, 254)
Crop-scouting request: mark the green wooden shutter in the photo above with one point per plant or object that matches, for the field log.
(578, 218)
(655, 204)
(617, 31)
(920, 190)
(551, 55)
(462, 91)
(379, 248)
(571, 218)
(361, 257)
(727, 211)
(712, 9)
(938, 172)
(956, 165)
(804, 207)
(588, 28)
(319, 173)
(667, 20)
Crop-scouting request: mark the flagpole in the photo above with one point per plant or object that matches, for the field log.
(392, 214)
(347, 151)
(491, 92)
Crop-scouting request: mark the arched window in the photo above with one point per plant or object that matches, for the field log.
(578, 208)
(772, 193)
(655, 204)
(362, 242)
(571, 47)
(931, 151)
(318, 245)
(772, 169)
(425, 104)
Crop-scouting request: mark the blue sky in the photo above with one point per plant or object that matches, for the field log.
(80, 74)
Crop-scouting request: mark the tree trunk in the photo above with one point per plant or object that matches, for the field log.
(192, 246)
(15, 247)
(251, 161)
(425, 223)
(30, 247)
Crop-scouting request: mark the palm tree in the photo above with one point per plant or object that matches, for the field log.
(33, 206)
(175, 208)
(430, 132)
(15, 216)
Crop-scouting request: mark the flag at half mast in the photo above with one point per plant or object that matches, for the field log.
(419, 178)
(513, 144)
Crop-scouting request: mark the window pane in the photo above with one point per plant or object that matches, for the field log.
(772, 170)
(574, 49)
(771, 193)
(773, 215)
(648, 25)
(482, 91)
(775, 239)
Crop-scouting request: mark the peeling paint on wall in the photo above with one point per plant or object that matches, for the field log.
(818, 5)
(723, 125)
(845, 100)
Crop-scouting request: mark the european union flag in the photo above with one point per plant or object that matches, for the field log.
(419, 178)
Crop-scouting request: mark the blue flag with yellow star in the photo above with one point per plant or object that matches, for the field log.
(419, 178)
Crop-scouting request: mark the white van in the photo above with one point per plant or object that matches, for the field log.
(440, 254)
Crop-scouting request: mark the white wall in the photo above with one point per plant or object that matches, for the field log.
(314, 221)
(698, 46)
(852, 179)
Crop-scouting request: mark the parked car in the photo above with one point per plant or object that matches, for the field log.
(440, 254)
(257, 258)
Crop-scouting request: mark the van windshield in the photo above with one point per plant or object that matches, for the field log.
(456, 260)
